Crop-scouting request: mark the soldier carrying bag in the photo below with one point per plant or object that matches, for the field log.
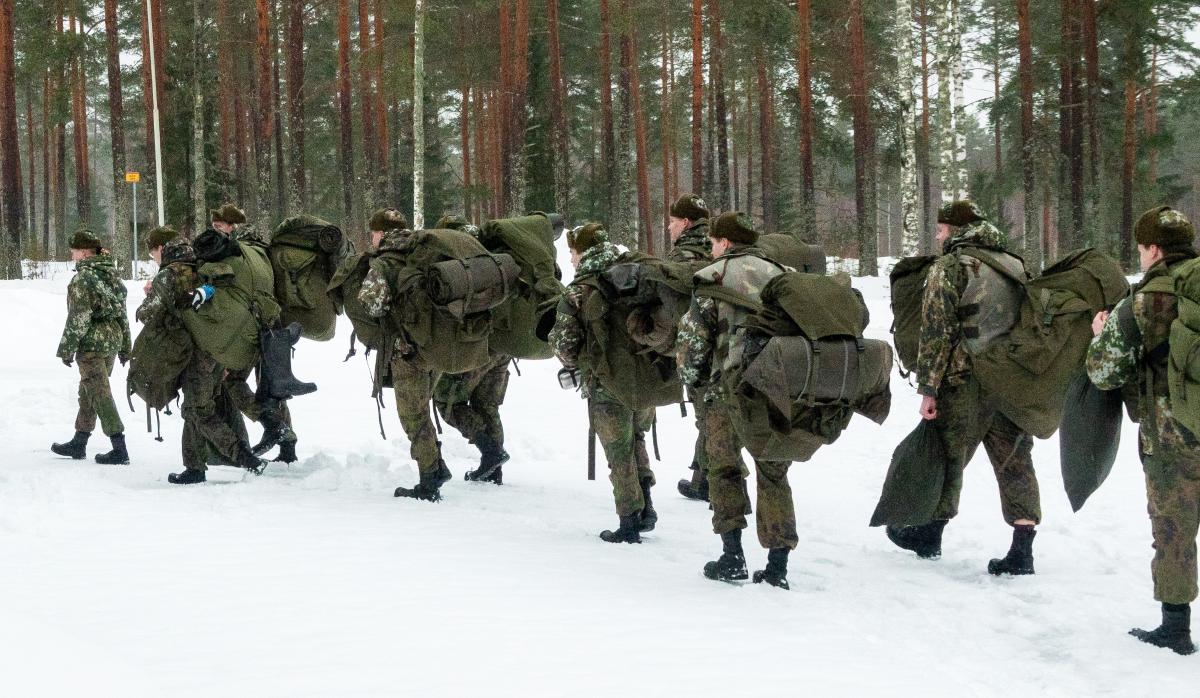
(306, 252)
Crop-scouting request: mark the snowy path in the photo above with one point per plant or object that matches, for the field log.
(313, 580)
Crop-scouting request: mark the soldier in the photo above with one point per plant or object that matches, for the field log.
(688, 228)
(412, 380)
(272, 414)
(96, 334)
(952, 396)
(1129, 350)
(470, 402)
(703, 347)
(174, 290)
(620, 429)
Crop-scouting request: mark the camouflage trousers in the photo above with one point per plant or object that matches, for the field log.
(727, 493)
(95, 394)
(1173, 493)
(413, 385)
(622, 433)
(204, 425)
(244, 399)
(470, 402)
(967, 418)
(700, 455)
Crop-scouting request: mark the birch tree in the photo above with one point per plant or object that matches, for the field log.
(911, 235)
(418, 220)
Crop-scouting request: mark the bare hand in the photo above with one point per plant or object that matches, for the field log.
(1098, 322)
(146, 288)
(929, 407)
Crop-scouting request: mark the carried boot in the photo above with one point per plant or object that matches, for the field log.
(697, 487)
(492, 457)
(1175, 633)
(429, 487)
(275, 429)
(187, 477)
(775, 573)
(75, 448)
(731, 566)
(287, 452)
(925, 540)
(276, 346)
(248, 461)
(1019, 559)
(627, 530)
(649, 515)
(118, 455)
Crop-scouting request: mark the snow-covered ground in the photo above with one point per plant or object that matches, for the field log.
(314, 580)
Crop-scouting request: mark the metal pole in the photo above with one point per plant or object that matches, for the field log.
(157, 128)
(135, 254)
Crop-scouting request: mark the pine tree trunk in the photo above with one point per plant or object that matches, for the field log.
(116, 120)
(515, 175)
(199, 210)
(629, 60)
(558, 116)
(47, 159)
(264, 118)
(998, 154)
(346, 149)
(1025, 70)
(367, 101)
(808, 221)
(737, 175)
(1150, 124)
(664, 121)
(608, 145)
(749, 139)
(1128, 164)
(863, 146)
(418, 114)
(911, 234)
(945, 107)
(12, 214)
(481, 157)
(383, 173)
(282, 167)
(83, 188)
(297, 184)
(1091, 53)
(697, 96)
(30, 149)
(464, 124)
(225, 82)
(718, 71)
(766, 118)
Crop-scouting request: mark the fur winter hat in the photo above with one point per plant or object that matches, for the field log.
(84, 239)
(735, 227)
(959, 213)
(386, 219)
(1165, 227)
(586, 236)
(160, 236)
(228, 214)
(689, 206)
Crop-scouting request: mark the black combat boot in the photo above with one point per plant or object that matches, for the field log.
(187, 477)
(248, 461)
(275, 428)
(75, 448)
(731, 566)
(649, 515)
(1019, 559)
(276, 346)
(118, 455)
(925, 540)
(1175, 633)
(492, 457)
(775, 573)
(429, 487)
(287, 452)
(627, 530)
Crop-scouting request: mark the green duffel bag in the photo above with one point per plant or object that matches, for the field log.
(913, 486)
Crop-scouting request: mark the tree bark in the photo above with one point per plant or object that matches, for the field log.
(959, 104)
(1025, 70)
(47, 159)
(12, 213)
(297, 185)
(911, 234)
(629, 60)
(766, 119)
(998, 154)
(383, 174)
(1091, 54)
(945, 107)
(346, 151)
(199, 210)
(83, 186)
(116, 119)
(30, 150)
(226, 140)
(366, 100)
(1150, 124)
(608, 145)
(808, 221)
(418, 114)
(464, 124)
(718, 70)
(863, 146)
(558, 116)
(926, 135)
(697, 97)
(664, 121)
(265, 118)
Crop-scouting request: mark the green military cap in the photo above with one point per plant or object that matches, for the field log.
(1165, 227)
(386, 219)
(84, 239)
(689, 206)
(586, 236)
(228, 213)
(961, 212)
(160, 236)
(735, 227)
(177, 250)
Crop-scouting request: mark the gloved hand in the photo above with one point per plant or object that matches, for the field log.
(123, 358)
(67, 363)
(201, 295)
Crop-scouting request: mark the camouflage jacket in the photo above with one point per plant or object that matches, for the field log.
(96, 319)
(1118, 356)
(569, 333)
(693, 245)
(942, 356)
(249, 233)
(705, 341)
(170, 292)
(376, 292)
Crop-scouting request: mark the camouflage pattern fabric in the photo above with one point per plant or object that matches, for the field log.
(170, 292)
(238, 385)
(470, 402)
(414, 386)
(567, 337)
(692, 244)
(942, 356)
(727, 473)
(1170, 453)
(622, 434)
(96, 320)
(95, 394)
(699, 454)
(204, 428)
(967, 418)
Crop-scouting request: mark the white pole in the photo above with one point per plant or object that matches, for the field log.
(157, 130)
(135, 254)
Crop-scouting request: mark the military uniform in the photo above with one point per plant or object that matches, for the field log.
(470, 402)
(694, 245)
(621, 430)
(1128, 351)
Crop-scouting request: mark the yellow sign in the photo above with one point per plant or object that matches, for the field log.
(133, 177)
